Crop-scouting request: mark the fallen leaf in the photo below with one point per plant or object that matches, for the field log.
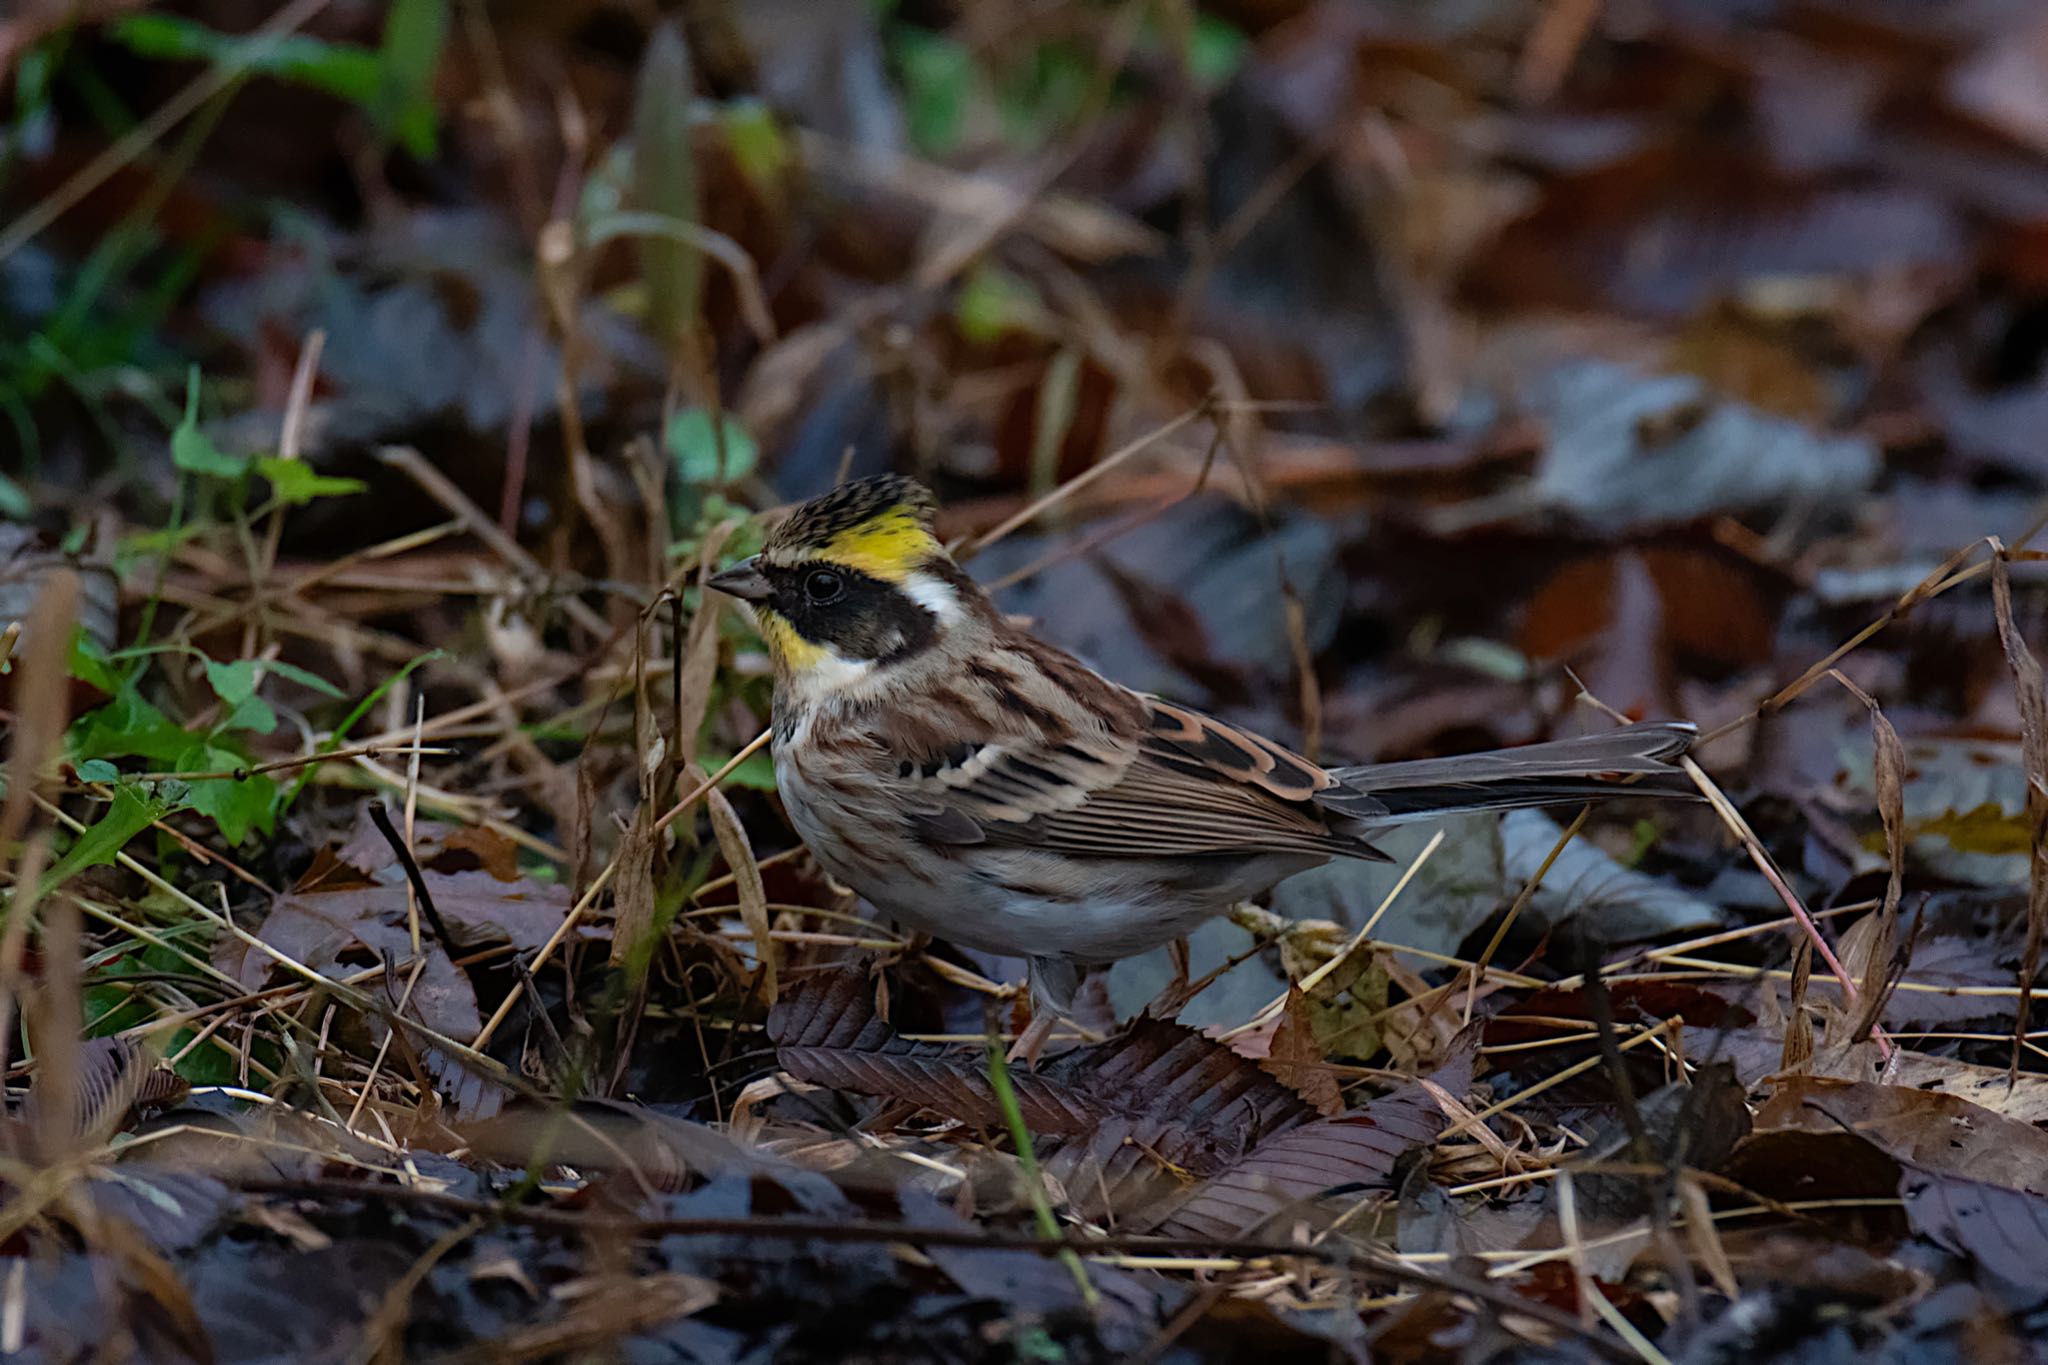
(1296, 1059)
(1939, 1131)
(1344, 1153)
(2004, 1231)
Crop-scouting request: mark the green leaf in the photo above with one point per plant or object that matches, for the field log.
(938, 77)
(111, 1007)
(1216, 49)
(293, 673)
(415, 31)
(90, 664)
(98, 770)
(993, 302)
(192, 450)
(297, 483)
(211, 1064)
(757, 143)
(127, 727)
(693, 442)
(235, 684)
(128, 814)
(14, 500)
(236, 806)
(345, 69)
(756, 772)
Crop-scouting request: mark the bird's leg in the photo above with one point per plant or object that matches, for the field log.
(1179, 989)
(1053, 983)
(1032, 1040)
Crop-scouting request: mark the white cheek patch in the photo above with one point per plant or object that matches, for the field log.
(934, 594)
(834, 673)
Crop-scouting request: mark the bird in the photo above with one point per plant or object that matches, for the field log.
(975, 783)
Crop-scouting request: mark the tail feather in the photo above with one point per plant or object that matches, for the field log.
(1562, 772)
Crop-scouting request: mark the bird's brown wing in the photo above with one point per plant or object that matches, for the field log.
(1183, 784)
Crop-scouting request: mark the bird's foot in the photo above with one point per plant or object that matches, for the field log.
(1032, 1040)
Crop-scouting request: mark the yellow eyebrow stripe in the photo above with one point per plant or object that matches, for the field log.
(888, 546)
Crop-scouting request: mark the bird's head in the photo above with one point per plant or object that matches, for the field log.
(853, 582)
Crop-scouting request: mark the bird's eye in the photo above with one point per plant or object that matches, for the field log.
(823, 585)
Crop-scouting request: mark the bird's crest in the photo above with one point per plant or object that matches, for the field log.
(881, 526)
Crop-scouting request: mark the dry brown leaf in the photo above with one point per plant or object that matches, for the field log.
(2033, 706)
(2024, 1098)
(1797, 1051)
(1295, 1058)
(660, 1151)
(1285, 1174)
(1878, 973)
(334, 922)
(746, 879)
(633, 887)
(2004, 1231)
(700, 654)
(826, 1032)
(1941, 1131)
(38, 720)
(114, 1077)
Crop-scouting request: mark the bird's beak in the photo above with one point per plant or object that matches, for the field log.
(743, 580)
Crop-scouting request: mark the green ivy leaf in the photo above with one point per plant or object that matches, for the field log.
(297, 483)
(98, 770)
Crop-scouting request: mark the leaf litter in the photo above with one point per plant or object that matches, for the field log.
(1519, 352)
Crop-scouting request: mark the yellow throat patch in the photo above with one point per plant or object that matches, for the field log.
(787, 647)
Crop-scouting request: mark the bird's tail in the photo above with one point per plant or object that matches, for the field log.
(1561, 772)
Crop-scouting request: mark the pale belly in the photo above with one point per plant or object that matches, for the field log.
(1025, 903)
